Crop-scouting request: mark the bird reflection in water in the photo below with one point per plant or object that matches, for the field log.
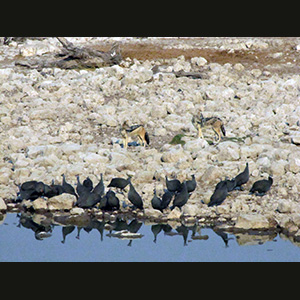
(41, 231)
(122, 227)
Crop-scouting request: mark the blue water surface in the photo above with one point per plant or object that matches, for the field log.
(19, 244)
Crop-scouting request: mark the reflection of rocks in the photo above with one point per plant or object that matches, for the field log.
(125, 234)
(245, 239)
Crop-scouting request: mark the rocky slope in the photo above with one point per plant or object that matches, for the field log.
(58, 121)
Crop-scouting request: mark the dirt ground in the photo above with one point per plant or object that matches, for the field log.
(281, 54)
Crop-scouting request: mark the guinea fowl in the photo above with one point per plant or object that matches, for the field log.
(53, 190)
(112, 200)
(219, 194)
(88, 184)
(230, 184)
(119, 183)
(181, 198)
(173, 185)
(156, 202)
(87, 199)
(99, 188)
(261, 186)
(134, 197)
(166, 199)
(242, 178)
(109, 202)
(103, 202)
(68, 188)
(31, 190)
(191, 184)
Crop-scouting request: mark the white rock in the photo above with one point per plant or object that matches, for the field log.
(260, 45)
(39, 204)
(223, 209)
(3, 206)
(69, 148)
(118, 158)
(194, 145)
(77, 211)
(252, 221)
(278, 167)
(256, 72)
(47, 161)
(191, 209)
(138, 76)
(264, 163)
(284, 206)
(238, 67)
(4, 177)
(28, 51)
(182, 66)
(251, 151)
(35, 151)
(174, 214)
(61, 202)
(160, 131)
(199, 61)
(211, 174)
(228, 151)
(296, 140)
(154, 213)
(6, 120)
(174, 154)
(158, 111)
(93, 158)
(294, 163)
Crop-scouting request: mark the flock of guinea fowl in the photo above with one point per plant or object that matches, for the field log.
(89, 196)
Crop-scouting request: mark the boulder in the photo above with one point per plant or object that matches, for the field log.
(39, 204)
(195, 145)
(199, 61)
(284, 206)
(4, 177)
(228, 151)
(61, 202)
(252, 221)
(174, 154)
(223, 209)
(211, 174)
(294, 163)
(77, 211)
(175, 214)
(3, 206)
(191, 209)
(153, 213)
(296, 140)
(278, 167)
(93, 158)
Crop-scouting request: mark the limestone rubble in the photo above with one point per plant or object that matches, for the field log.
(56, 121)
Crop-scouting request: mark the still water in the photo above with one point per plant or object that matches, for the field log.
(21, 239)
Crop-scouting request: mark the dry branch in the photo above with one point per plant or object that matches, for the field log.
(72, 57)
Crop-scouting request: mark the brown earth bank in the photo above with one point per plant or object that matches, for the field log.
(273, 52)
